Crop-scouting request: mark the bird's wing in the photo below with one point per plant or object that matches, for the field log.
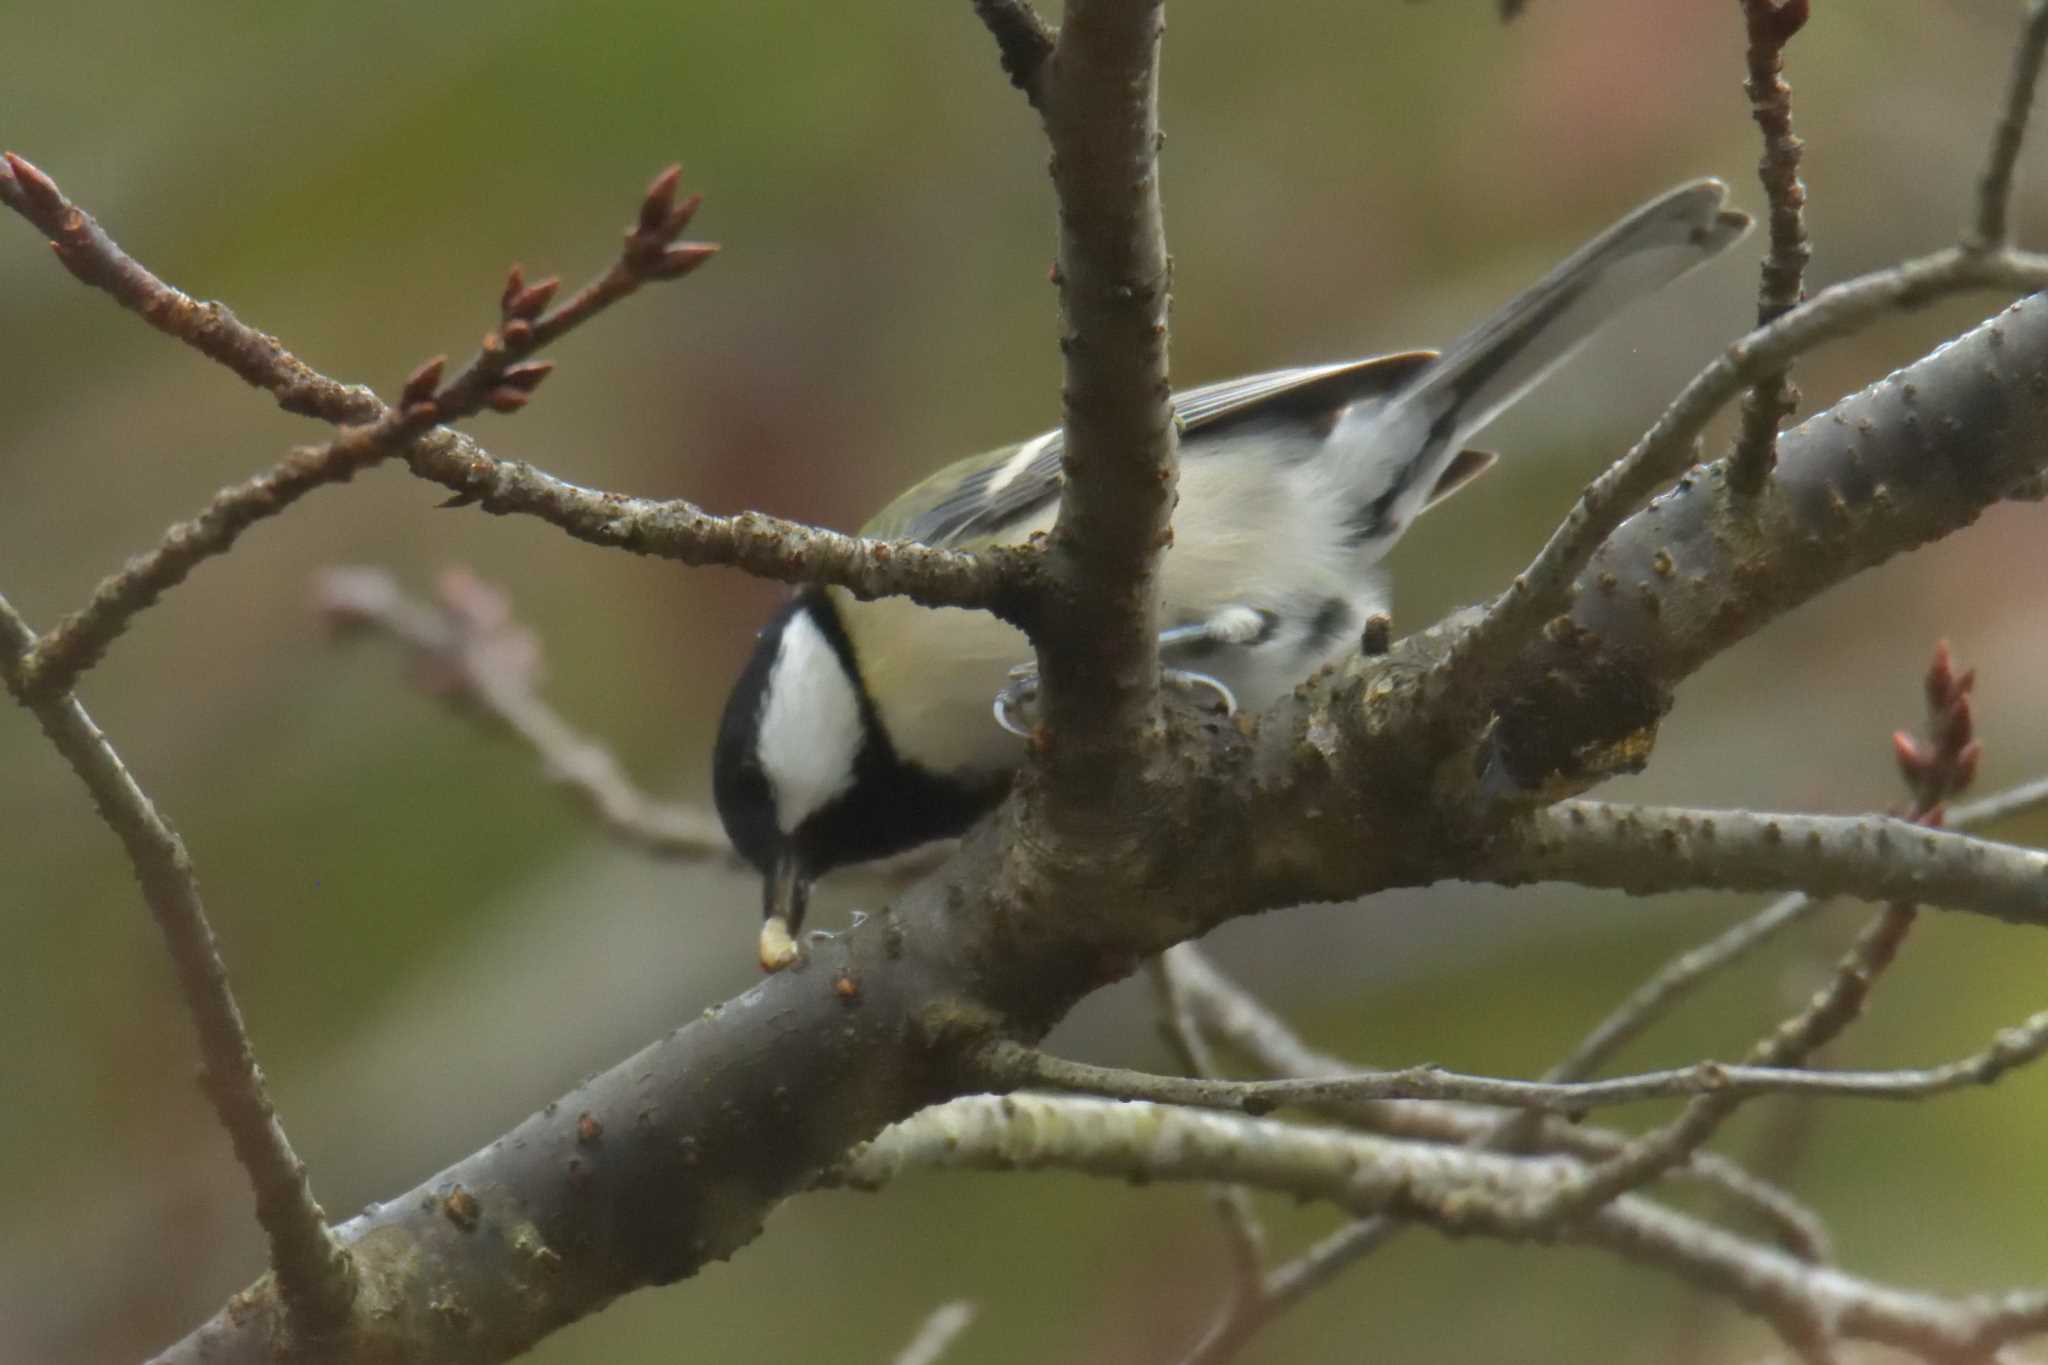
(993, 491)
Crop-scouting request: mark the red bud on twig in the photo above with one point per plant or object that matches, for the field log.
(422, 383)
(515, 281)
(660, 201)
(42, 191)
(678, 261)
(526, 378)
(530, 302)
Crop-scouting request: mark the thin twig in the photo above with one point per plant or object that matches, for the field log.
(1012, 1067)
(933, 1339)
(1771, 25)
(1676, 980)
(1001, 578)
(1238, 1019)
(502, 377)
(315, 1274)
(1544, 588)
(80, 640)
(1994, 184)
(1243, 1235)
(472, 650)
(209, 328)
(1934, 769)
(1457, 1191)
(1683, 974)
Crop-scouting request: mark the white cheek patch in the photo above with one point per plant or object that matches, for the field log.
(811, 728)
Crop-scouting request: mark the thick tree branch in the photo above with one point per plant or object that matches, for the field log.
(315, 1275)
(1335, 795)
(1911, 458)
(1456, 1191)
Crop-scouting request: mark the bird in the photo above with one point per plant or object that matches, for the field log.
(861, 729)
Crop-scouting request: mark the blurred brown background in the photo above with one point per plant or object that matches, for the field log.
(429, 943)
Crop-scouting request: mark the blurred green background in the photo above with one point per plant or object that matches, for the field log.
(430, 943)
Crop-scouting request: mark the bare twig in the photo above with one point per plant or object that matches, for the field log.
(315, 1274)
(1098, 639)
(81, 639)
(1012, 1067)
(1243, 1235)
(1771, 25)
(1944, 765)
(1679, 977)
(502, 377)
(937, 1335)
(209, 328)
(1879, 858)
(1676, 980)
(1024, 42)
(1994, 185)
(1238, 1019)
(1540, 591)
(1000, 579)
(472, 650)
(1941, 767)
(1458, 1191)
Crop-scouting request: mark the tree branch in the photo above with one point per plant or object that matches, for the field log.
(315, 1274)
(469, 648)
(1241, 1022)
(1771, 25)
(1878, 858)
(501, 378)
(1024, 43)
(1098, 635)
(1679, 977)
(1010, 1067)
(1994, 185)
(1336, 794)
(84, 249)
(1244, 1236)
(1455, 1191)
(1662, 453)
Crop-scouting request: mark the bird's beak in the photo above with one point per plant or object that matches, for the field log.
(785, 893)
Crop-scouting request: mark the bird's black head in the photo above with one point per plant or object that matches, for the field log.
(804, 775)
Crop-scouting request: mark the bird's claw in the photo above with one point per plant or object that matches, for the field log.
(1023, 688)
